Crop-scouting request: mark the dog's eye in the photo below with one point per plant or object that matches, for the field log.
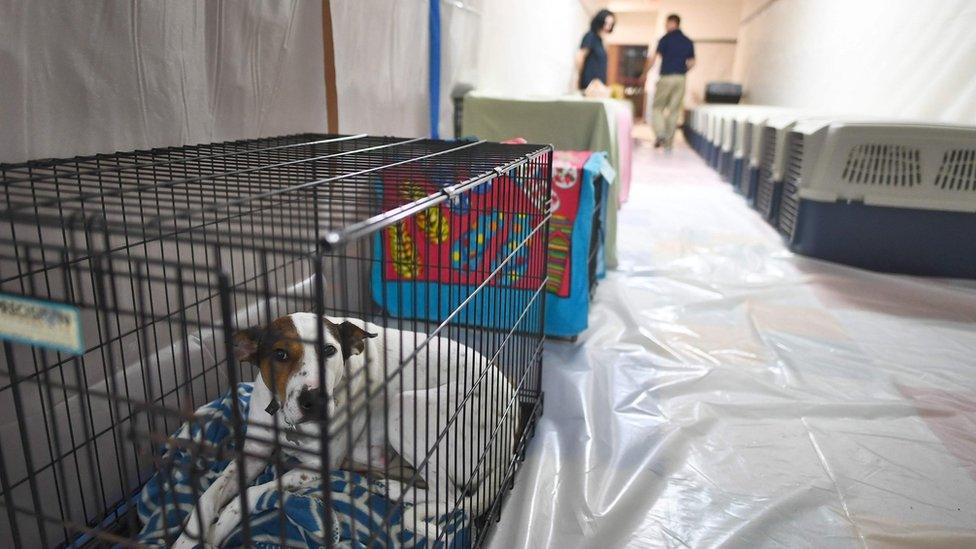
(280, 355)
(330, 350)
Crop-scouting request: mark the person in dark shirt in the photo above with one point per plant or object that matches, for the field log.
(677, 53)
(591, 60)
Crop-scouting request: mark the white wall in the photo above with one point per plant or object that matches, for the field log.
(874, 57)
(85, 77)
(713, 25)
(528, 46)
(703, 18)
(635, 28)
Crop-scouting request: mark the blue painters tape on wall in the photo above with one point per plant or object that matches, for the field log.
(434, 62)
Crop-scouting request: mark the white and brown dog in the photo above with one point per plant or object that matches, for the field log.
(454, 437)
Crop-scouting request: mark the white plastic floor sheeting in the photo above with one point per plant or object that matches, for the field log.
(731, 394)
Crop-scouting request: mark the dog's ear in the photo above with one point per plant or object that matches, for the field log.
(353, 339)
(246, 344)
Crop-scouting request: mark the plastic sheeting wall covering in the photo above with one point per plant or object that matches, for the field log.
(728, 393)
(89, 77)
(886, 58)
(528, 48)
(382, 65)
(460, 39)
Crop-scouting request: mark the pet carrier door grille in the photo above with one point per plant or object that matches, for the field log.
(764, 195)
(890, 165)
(351, 326)
(791, 180)
(746, 145)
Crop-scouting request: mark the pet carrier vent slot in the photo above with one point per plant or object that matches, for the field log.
(768, 150)
(790, 202)
(958, 170)
(890, 165)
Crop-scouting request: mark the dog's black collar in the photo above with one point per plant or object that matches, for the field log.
(272, 408)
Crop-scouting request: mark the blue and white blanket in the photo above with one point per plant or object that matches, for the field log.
(359, 505)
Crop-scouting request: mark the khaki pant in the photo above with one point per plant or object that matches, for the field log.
(668, 97)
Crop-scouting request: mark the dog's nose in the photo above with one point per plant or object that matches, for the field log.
(311, 402)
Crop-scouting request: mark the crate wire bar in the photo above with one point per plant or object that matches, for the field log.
(178, 258)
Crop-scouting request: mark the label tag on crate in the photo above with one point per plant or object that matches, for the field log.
(41, 323)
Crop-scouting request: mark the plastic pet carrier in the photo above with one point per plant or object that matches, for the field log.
(688, 128)
(770, 161)
(750, 180)
(699, 118)
(743, 144)
(724, 135)
(887, 196)
(215, 345)
(704, 123)
(726, 144)
(716, 116)
(732, 145)
(772, 165)
(705, 114)
(757, 132)
(718, 123)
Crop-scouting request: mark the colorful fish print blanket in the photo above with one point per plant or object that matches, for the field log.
(464, 239)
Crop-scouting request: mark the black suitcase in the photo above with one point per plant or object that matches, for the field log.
(723, 92)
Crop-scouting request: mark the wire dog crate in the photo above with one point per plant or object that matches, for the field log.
(302, 340)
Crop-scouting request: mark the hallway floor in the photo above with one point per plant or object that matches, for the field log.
(729, 393)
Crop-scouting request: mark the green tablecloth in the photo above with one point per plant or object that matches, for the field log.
(568, 123)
